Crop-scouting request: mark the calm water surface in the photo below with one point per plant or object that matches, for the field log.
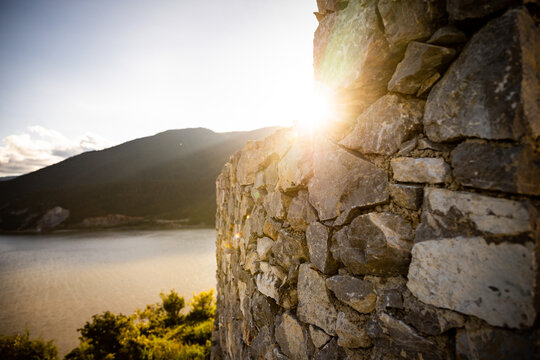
(54, 283)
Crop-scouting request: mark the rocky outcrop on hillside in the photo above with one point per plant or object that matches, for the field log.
(413, 231)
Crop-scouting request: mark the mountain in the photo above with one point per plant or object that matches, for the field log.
(169, 176)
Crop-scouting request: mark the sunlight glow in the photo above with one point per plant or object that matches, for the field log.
(317, 110)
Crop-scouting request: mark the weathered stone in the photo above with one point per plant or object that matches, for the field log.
(427, 84)
(513, 169)
(351, 52)
(451, 213)
(385, 125)
(290, 249)
(405, 21)
(407, 196)
(447, 35)
(421, 170)
(342, 182)
(293, 338)
(301, 213)
(251, 262)
(426, 144)
(494, 282)
(264, 247)
(318, 336)
(263, 310)
(314, 304)
(352, 291)
(375, 243)
(466, 9)
(276, 204)
(328, 352)
(429, 319)
(259, 344)
(271, 228)
(268, 178)
(253, 159)
(494, 81)
(269, 280)
(351, 332)
(486, 343)
(329, 6)
(407, 147)
(318, 242)
(296, 167)
(421, 62)
(396, 337)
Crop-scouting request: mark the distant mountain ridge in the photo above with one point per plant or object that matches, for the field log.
(165, 178)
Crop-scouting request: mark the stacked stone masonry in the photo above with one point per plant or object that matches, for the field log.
(408, 228)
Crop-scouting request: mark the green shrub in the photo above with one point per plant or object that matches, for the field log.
(20, 347)
(158, 332)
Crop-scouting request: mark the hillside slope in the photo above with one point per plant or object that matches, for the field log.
(170, 175)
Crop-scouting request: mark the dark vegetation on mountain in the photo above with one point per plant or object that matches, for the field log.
(168, 176)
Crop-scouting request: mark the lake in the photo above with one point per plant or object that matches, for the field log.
(54, 283)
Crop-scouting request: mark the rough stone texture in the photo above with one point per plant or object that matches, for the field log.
(385, 125)
(421, 62)
(375, 243)
(351, 52)
(407, 196)
(494, 282)
(276, 204)
(296, 168)
(318, 336)
(396, 337)
(264, 247)
(486, 343)
(269, 280)
(513, 169)
(428, 319)
(421, 170)
(405, 21)
(328, 352)
(354, 292)
(494, 81)
(301, 213)
(466, 9)
(314, 304)
(282, 202)
(451, 213)
(318, 242)
(342, 182)
(447, 35)
(293, 338)
(351, 331)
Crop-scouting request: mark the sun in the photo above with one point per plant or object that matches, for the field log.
(318, 109)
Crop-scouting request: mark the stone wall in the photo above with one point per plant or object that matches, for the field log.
(408, 227)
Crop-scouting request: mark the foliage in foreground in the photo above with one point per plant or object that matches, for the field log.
(160, 331)
(20, 347)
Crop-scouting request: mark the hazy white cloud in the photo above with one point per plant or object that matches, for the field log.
(40, 147)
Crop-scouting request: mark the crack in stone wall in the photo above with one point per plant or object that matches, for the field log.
(408, 228)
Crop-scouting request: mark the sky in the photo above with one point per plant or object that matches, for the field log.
(79, 75)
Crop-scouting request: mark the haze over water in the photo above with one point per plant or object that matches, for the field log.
(55, 283)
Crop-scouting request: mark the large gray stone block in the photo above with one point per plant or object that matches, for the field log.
(420, 63)
(314, 304)
(375, 243)
(494, 282)
(513, 169)
(342, 181)
(405, 21)
(385, 125)
(492, 90)
(453, 213)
